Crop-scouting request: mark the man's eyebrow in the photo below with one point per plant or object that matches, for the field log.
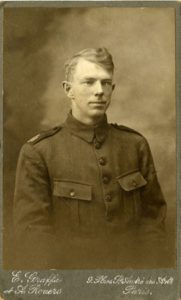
(88, 78)
(107, 79)
(94, 78)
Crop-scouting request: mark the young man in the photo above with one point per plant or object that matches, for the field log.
(87, 194)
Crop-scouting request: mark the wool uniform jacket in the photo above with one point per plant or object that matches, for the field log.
(88, 197)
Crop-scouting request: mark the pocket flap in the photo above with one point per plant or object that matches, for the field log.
(132, 181)
(72, 190)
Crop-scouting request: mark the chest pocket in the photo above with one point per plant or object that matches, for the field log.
(72, 190)
(74, 199)
(131, 185)
(132, 181)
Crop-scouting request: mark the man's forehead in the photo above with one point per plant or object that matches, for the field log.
(87, 68)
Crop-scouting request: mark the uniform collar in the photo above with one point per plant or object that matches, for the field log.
(87, 132)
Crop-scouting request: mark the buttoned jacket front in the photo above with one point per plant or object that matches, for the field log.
(87, 185)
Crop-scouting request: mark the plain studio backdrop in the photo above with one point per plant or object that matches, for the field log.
(38, 41)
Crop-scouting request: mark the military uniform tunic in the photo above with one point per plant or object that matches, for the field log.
(85, 197)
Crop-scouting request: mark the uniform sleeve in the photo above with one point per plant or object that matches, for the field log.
(152, 199)
(153, 237)
(32, 211)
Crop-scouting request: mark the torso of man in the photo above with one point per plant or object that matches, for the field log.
(90, 187)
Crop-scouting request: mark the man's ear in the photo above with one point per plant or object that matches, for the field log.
(67, 88)
(113, 86)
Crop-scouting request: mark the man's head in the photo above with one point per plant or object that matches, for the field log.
(99, 56)
(89, 84)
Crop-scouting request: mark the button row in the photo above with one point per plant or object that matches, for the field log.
(108, 198)
(105, 179)
(97, 145)
(102, 161)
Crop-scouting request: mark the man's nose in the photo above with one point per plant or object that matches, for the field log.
(98, 88)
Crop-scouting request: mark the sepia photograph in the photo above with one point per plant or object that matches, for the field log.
(89, 138)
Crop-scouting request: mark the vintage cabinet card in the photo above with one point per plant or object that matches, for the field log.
(90, 206)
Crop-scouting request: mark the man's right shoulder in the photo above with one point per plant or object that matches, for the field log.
(43, 135)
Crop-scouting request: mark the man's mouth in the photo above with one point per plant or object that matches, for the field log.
(98, 102)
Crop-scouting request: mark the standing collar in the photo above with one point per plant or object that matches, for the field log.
(87, 132)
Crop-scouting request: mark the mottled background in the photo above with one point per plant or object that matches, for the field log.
(37, 42)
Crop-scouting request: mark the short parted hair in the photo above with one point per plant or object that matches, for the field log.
(100, 56)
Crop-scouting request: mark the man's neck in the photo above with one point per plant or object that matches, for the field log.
(88, 121)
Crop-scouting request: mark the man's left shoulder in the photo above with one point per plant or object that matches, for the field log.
(126, 129)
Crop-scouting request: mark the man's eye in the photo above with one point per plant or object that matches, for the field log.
(107, 83)
(88, 82)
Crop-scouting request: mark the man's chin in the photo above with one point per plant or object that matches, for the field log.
(97, 113)
(98, 109)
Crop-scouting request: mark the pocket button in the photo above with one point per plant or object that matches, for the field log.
(134, 183)
(72, 193)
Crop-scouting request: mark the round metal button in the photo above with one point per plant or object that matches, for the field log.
(97, 145)
(134, 183)
(72, 194)
(105, 179)
(102, 161)
(108, 198)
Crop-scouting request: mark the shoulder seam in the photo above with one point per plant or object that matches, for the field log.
(44, 134)
(125, 128)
